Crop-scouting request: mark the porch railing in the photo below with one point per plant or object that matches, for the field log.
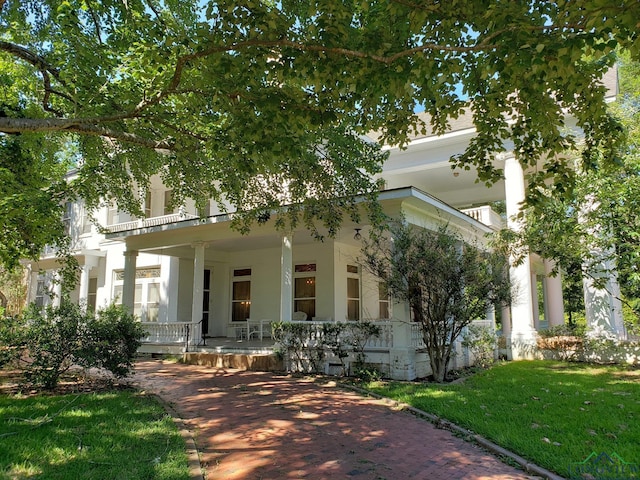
(179, 333)
(417, 340)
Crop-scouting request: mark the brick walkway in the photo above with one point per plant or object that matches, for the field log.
(251, 425)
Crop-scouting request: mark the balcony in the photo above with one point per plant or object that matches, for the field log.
(485, 215)
(150, 222)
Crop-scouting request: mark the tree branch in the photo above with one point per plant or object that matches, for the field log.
(43, 125)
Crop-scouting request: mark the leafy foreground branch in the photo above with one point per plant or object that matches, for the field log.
(46, 344)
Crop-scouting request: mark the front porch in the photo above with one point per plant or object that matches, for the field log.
(398, 352)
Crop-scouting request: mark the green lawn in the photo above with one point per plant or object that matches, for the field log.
(119, 435)
(554, 414)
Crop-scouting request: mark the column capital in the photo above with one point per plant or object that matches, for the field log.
(199, 243)
(130, 253)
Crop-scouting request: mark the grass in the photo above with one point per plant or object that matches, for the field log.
(554, 414)
(117, 434)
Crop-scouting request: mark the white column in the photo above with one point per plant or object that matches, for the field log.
(602, 294)
(286, 278)
(603, 307)
(505, 317)
(534, 301)
(522, 331)
(56, 289)
(129, 280)
(84, 286)
(553, 301)
(198, 286)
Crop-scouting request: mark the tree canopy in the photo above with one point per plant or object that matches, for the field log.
(261, 102)
(446, 282)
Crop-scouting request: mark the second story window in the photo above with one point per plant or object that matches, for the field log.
(147, 205)
(67, 216)
(169, 208)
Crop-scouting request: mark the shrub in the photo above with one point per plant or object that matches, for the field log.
(111, 340)
(50, 342)
(482, 342)
(304, 345)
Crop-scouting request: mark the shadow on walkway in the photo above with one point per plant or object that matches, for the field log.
(254, 425)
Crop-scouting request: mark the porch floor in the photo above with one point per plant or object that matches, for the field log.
(233, 345)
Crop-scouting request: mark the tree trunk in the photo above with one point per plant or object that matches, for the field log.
(3, 301)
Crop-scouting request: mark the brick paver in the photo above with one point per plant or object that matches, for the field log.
(254, 425)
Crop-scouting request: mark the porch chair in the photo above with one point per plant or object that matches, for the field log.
(299, 316)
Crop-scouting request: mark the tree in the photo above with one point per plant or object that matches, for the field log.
(594, 228)
(261, 103)
(13, 290)
(446, 282)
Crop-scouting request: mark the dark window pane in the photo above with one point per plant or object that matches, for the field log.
(205, 323)
(242, 272)
(353, 288)
(353, 309)
(352, 269)
(205, 301)
(240, 311)
(306, 267)
(207, 280)
(306, 306)
(305, 287)
(242, 290)
(384, 310)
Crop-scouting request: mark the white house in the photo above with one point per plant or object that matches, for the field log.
(198, 285)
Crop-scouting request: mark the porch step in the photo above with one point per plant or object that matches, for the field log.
(239, 361)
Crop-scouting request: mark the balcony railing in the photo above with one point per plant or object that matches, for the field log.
(485, 215)
(150, 222)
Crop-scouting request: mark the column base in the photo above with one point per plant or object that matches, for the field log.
(523, 345)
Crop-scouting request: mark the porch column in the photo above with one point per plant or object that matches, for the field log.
(129, 280)
(522, 331)
(603, 306)
(56, 289)
(84, 286)
(286, 278)
(534, 301)
(553, 301)
(198, 287)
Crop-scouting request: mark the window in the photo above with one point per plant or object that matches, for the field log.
(169, 208)
(241, 295)
(384, 301)
(205, 211)
(147, 205)
(112, 214)
(147, 293)
(353, 293)
(66, 219)
(40, 293)
(91, 297)
(304, 293)
(86, 220)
